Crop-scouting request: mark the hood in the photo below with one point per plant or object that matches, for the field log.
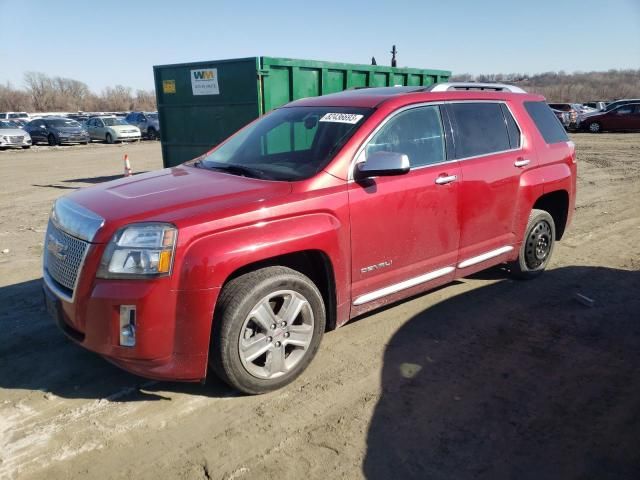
(13, 132)
(175, 195)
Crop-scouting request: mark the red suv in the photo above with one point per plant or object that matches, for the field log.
(313, 214)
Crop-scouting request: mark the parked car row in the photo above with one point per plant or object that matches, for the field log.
(598, 116)
(18, 130)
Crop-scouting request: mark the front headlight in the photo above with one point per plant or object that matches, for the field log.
(140, 250)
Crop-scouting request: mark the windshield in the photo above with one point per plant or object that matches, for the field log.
(60, 122)
(152, 116)
(288, 144)
(6, 124)
(110, 122)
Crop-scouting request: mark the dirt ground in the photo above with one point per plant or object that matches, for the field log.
(485, 378)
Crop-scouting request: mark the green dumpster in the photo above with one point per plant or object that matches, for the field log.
(200, 104)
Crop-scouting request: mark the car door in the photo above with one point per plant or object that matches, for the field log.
(492, 158)
(404, 229)
(91, 128)
(635, 117)
(101, 131)
(38, 131)
(620, 118)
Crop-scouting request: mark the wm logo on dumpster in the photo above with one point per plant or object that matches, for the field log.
(204, 81)
(203, 74)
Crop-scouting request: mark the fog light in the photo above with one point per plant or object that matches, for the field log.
(128, 325)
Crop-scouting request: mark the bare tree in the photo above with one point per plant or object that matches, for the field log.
(571, 87)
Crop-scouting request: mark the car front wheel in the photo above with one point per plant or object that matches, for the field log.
(51, 140)
(537, 246)
(267, 329)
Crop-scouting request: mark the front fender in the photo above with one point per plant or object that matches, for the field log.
(211, 259)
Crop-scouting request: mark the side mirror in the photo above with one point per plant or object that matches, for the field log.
(382, 164)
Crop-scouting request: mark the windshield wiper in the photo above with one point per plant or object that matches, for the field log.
(234, 169)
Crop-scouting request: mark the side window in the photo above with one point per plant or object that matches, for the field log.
(90, 123)
(480, 129)
(512, 127)
(625, 110)
(547, 123)
(417, 133)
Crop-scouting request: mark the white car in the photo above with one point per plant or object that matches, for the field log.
(11, 136)
(112, 129)
(23, 116)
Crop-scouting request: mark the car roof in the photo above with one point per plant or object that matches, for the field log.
(373, 97)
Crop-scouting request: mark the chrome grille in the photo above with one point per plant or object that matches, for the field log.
(16, 139)
(63, 256)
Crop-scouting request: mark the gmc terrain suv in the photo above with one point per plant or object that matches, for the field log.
(318, 212)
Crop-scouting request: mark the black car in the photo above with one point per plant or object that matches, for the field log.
(56, 131)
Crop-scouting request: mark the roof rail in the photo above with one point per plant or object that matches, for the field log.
(497, 87)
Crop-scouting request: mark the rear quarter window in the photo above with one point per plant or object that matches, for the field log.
(547, 123)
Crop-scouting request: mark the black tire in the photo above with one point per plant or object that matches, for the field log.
(594, 127)
(25, 147)
(108, 138)
(51, 139)
(237, 300)
(84, 143)
(537, 246)
(151, 133)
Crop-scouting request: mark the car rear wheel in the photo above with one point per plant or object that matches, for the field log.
(267, 329)
(537, 246)
(595, 127)
(51, 139)
(109, 138)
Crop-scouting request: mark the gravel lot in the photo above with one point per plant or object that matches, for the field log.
(485, 378)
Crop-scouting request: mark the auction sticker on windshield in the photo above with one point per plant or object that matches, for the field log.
(342, 117)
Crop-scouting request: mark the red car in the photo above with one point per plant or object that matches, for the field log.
(318, 212)
(622, 118)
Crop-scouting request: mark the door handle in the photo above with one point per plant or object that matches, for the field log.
(521, 162)
(446, 179)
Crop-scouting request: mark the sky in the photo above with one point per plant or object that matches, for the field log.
(118, 42)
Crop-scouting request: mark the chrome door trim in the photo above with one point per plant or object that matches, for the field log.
(485, 256)
(396, 287)
(361, 148)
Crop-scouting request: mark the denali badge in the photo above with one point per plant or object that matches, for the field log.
(377, 266)
(57, 248)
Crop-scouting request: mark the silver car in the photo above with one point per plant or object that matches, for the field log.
(112, 129)
(11, 136)
(147, 122)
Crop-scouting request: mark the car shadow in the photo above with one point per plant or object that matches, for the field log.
(36, 355)
(515, 380)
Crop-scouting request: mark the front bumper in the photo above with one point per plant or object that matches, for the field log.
(74, 139)
(173, 327)
(124, 137)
